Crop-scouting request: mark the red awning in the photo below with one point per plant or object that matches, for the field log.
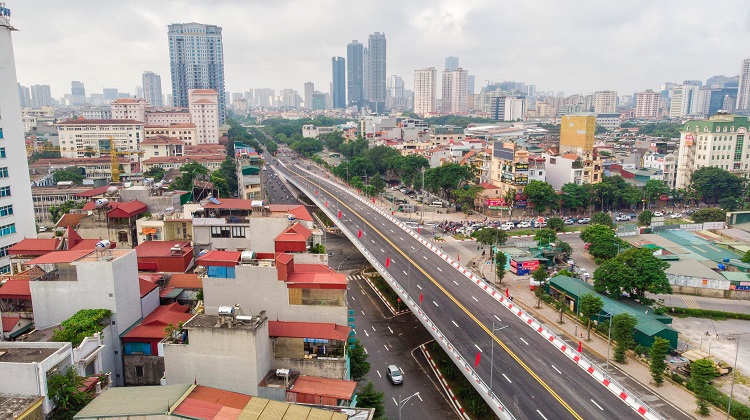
(321, 330)
(220, 258)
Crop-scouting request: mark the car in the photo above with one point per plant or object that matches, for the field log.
(42, 228)
(569, 221)
(584, 221)
(676, 216)
(622, 218)
(507, 226)
(394, 375)
(524, 224)
(658, 214)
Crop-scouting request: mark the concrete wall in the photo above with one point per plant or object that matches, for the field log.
(149, 302)
(260, 233)
(333, 368)
(715, 293)
(153, 369)
(232, 359)
(697, 282)
(558, 173)
(288, 347)
(157, 204)
(257, 289)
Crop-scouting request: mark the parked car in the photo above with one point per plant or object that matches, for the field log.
(569, 221)
(622, 218)
(584, 221)
(394, 375)
(42, 228)
(658, 214)
(524, 224)
(676, 216)
(507, 226)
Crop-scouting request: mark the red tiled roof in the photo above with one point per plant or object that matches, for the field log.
(153, 325)
(146, 286)
(186, 281)
(88, 244)
(284, 258)
(294, 233)
(162, 140)
(297, 210)
(94, 192)
(150, 277)
(219, 258)
(9, 322)
(184, 159)
(203, 101)
(211, 403)
(72, 238)
(323, 330)
(34, 246)
(313, 280)
(488, 186)
(162, 249)
(128, 209)
(15, 289)
(82, 121)
(326, 387)
(126, 101)
(230, 204)
(203, 91)
(572, 156)
(60, 257)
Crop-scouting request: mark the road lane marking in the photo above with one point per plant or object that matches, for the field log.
(386, 347)
(524, 341)
(412, 247)
(435, 303)
(363, 312)
(354, 298)
(597, 405)
(454, 323)
(480, 350)
(401, 238)
(420, 287)
(394, 401)
(389, 329)
(365, 350)
(507, 378)
(404, 272)
(455, 282)
(373, 327)
(424, 256)
(440, 270)
(381, 250)
(540, 413)
(379, 373)
(371, 240)
(498, 318)
(420, 397)
(558, 371)
(366, 333)
(475, 298)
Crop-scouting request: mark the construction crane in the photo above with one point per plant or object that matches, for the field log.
(31, 149)
(114, 163)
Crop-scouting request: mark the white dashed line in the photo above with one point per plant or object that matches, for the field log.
(379, 373)
(540, 413)
(381, 250)
(363, 312)
(386, 347)
(455, 282)
(524, 341)
(424, 256)
(404, 272)
(477, 300)
(439, 269)
(454, 323)
(597, 405)
(480, 350)
(556, 369)
(435, 303)
(373, 327)
(420, 287)
(508, 379)
(498, 318)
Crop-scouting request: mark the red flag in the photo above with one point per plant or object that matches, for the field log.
(479, 356)
(387, 262)
(373, 200)
(359, 234)
(421, 296)
(316, 192)
(326, 204)
(339, 216)
(419, 230)
(459, 257)
(507, 294)
(391, 212)
(580, 347)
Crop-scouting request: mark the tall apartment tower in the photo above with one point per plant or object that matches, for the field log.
(451, 63)
(425, 91)
(196, 58)
(376, 71)
(41, 95)
(152, 89)
(577, 133)
(16, 207)
(455, 91)
(78, 92)
(24, 96)
(647, 104)
(338, 90)
(355, 73)
(743, 90)
(309, 90)
(605, 102)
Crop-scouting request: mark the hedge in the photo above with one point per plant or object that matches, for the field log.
(706, 313)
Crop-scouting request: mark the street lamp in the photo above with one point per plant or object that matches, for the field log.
(609, 339)
(734, 371)
(492, 351)
(401, 402)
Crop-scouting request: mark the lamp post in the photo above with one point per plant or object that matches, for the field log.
(734, 372)
(492, 351)
(401, 402)
(609, 339)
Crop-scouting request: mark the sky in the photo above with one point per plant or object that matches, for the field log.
(568, 46)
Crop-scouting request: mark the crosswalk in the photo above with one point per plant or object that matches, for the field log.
(690, 302)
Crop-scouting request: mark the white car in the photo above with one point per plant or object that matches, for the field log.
(658, 214)
(524, 224)
(676, 216)
(507, 226)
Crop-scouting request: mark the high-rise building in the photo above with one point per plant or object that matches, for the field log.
(309, 90)
(470, 83)
(647, 104)
(396, 93)
(338, 90)
(376, 71)
(24, 96)
(204, 113)
(264, 97)
(139, 91)
(425, 91)
(743, 90)
(110, 94)
(152, 88)
(577, 133)
(196, 58)
(455, 91)
(506, 107)
(16, 206)
(41, 95)
(451, 63)
(684, 101)
(605, 102)
(78, 93)
(355, 73)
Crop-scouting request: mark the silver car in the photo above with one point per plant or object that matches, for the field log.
(394, 375)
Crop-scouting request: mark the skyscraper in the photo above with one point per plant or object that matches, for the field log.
(24, 96)
(376, 71)
(309, 90)
(41, 95)
(425, 97)
(196, 58)
(16, 206)
(355, 73)
(605, 102)
(455, 91)
(396, 92)
(647, 104)
(743, 91)
(451, 63)
(338, 91)
(152, 88)
(78, 92)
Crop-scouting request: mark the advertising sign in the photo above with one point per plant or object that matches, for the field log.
(689, 140)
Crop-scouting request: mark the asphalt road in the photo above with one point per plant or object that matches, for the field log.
(532, 378)
(276, 191)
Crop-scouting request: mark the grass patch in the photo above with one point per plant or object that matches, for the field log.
(706, 313)
(469, 398)
(324, 218)
(386, 290)
(720, 400)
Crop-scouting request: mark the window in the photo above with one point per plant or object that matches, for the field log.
(3, 172)
(220, 232)
(5, 269)
(4, 250)
(2, 152)
(7, 229)
(122, 236)
(1, 132)
(6, 210)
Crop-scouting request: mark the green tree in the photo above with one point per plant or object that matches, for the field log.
(590, 305)
(541, 194)
(564, 249)
(657, 354)
(709, 215)
(228, 171)
(307, 146)
(64, 390)
(545, 236)
(555, 223)
(71, 173)
(644, 219)
(713, 184)
(575, 196)
(189, 172)
(370, 398)
(602, 219)
(540, 276)
(612, 277)
(156, 173)
(653, 189)
(500, 260)
(490, 236)
(358, 364)
(272, 147)
(56, 212)
(603, 243)
(333, 140)
(622, 332)
(466, 196)
(702, 372)
(377, 183)
(318, 249)
(746, 257)
(649, 272)
(446, 178)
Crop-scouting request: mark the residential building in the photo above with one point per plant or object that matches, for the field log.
(80, 138)
(162, 146)
(376, 71)
(249, 180)
(455, 91)
(309, 89)
(16, 207)
(97, 112)
(205, 115)
(185, 132)
(319, 101)
(167, 116)
(570, 167)
(507, 107)
(446, 134)
(577, 133)
(114, 220)
(451, 63)
(264, 97)
(396, 93)
(425, 91)
(24, 96)
(338, 93)
(355, 73)
(16, 310)
(666, 164)
(196, 57)
(110, 94)
(46, 197)
(743, 90)
(78, 93)
(97, 169)
(129, 109)
(509, 169)
(647, 104)
(152, 89)
(605, 102)
(609, 121)
(719, 141)
(212, 162)
(41, 96)
(684, 100)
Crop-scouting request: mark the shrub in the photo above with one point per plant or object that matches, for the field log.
(82, 324)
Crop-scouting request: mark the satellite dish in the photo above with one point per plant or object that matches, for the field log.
(102, 202)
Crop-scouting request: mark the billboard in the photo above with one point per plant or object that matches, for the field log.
(689, 140)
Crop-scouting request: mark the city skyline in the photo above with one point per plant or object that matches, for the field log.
(607, 47)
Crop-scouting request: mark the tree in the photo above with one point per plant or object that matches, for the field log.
(318, 249)
(644, 219)
(649, 272)
(466, 196)
(545, 235)
(500, 260)
(622, 332)
(307, 146)
(590, 305)
(64, 390)
(702, 372)
(446, 178)
(189, 172)
(709, 215)
(541, 194)
(653, 189)
(657, 365)
(490, 236)
(540, 276)
(575, 196)
(228, 171)
(71, 173)
(56, 212)
(746, 257)
(560, 304)
(713, 183)
(602, 219)
(358, 363)
(603, 243)
(370, 398)
(272, 147)
(564, 249)
(612, 277)
(156, 173)
(555, 223)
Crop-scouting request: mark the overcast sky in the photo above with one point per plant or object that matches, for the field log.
(570, 46)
